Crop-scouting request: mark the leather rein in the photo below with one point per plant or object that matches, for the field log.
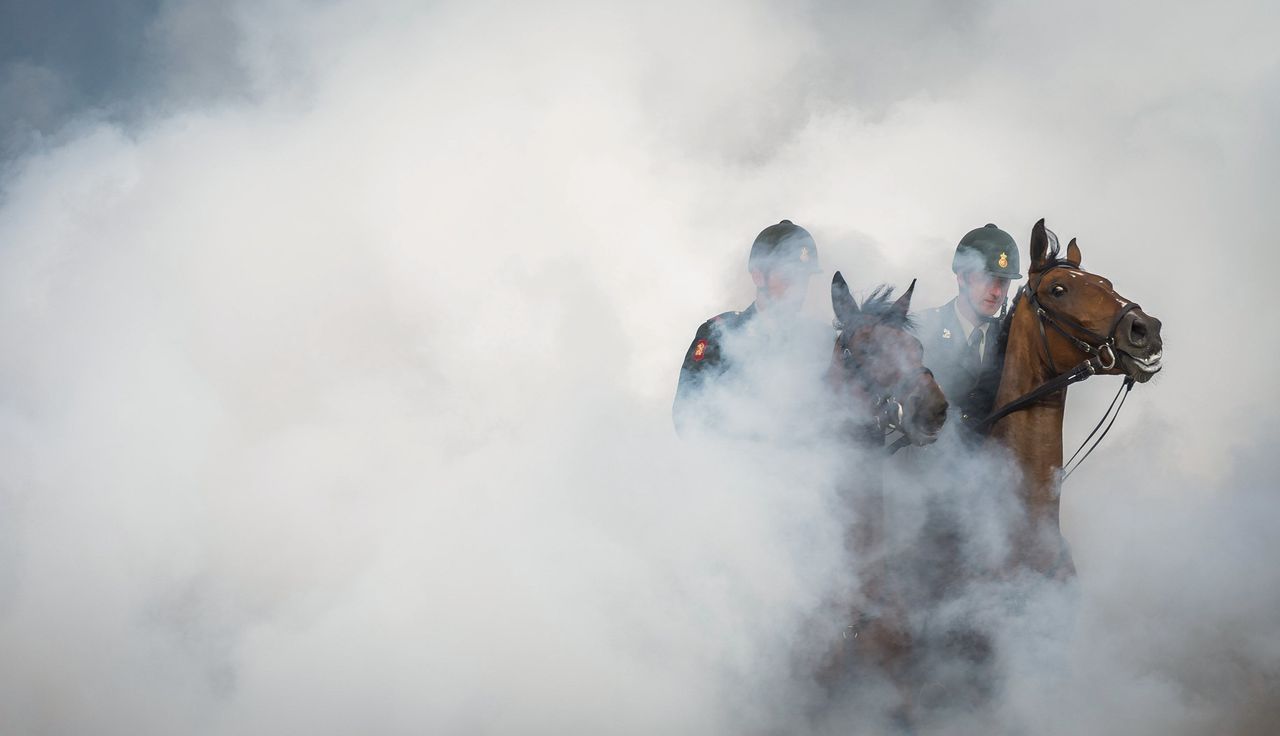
(1102, 355)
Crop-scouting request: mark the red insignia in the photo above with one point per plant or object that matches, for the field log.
(700, 350)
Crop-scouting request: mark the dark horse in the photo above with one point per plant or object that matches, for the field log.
(881, 384)
(877, 367)
(1066, 325)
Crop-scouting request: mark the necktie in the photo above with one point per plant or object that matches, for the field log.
(975, 347)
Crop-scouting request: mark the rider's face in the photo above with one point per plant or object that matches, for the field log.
(783, 289)
(986, 293)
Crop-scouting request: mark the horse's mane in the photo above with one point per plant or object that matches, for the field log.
(877, 309)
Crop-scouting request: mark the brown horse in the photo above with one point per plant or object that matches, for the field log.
(881, 384)
(1066, 325)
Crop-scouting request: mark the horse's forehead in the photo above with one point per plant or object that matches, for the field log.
(896, 337)
(1096, 279)
(1079, 275)
(866, 333)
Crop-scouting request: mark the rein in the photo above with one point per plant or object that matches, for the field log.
(1102, 344)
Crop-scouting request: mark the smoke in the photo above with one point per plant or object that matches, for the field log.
(339, 358)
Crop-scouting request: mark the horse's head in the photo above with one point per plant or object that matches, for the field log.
(1082, 317)
(877, 359)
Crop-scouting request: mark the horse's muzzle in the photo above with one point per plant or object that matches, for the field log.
(1142, 349)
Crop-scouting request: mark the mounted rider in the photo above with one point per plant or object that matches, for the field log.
(960, 337)
(783, 259)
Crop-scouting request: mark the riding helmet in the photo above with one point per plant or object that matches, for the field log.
(785, 245)
(987, 249)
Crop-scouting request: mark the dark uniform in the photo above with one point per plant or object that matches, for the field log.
(784, 248)
(967, 366)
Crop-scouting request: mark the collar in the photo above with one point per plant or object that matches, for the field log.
(965, 324)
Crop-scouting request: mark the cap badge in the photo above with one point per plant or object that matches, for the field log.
(700, 350)
(804, 254)
(946, 333)
(1003, 262)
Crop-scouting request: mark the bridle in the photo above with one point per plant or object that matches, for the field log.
(1100, 347)
(889, 414)
(1096, 343)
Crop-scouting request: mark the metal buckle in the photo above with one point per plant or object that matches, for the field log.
(896, 424)
(886, 408)
(1110, 350)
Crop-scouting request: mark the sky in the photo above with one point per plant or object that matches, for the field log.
(341, 340)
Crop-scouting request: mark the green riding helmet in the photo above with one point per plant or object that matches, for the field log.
(987, 249)
(785, 245)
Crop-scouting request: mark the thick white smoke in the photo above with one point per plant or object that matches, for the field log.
(343, 404)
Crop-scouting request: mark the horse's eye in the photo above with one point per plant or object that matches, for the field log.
(1058, 290)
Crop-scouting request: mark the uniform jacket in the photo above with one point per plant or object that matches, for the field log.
(969, 385)
(704, 361)
(796, 354)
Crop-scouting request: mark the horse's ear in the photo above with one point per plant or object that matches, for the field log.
(842, 302)
(1039, 245)
(1073, 252)
(903, 304)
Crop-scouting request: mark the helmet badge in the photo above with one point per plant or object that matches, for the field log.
(804, 254)
(1003, 262)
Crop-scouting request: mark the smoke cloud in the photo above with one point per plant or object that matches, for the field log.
(341, 338)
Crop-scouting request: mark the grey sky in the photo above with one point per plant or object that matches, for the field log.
(64, 60)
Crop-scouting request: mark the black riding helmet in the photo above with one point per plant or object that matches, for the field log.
(785, 245)
(987, 249)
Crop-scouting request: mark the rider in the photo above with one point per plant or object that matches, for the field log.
(960, 336)
(960, 340)
(783, 259)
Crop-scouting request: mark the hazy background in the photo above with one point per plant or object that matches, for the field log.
(340, 340)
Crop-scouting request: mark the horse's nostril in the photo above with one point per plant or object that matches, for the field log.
(1138, 332)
